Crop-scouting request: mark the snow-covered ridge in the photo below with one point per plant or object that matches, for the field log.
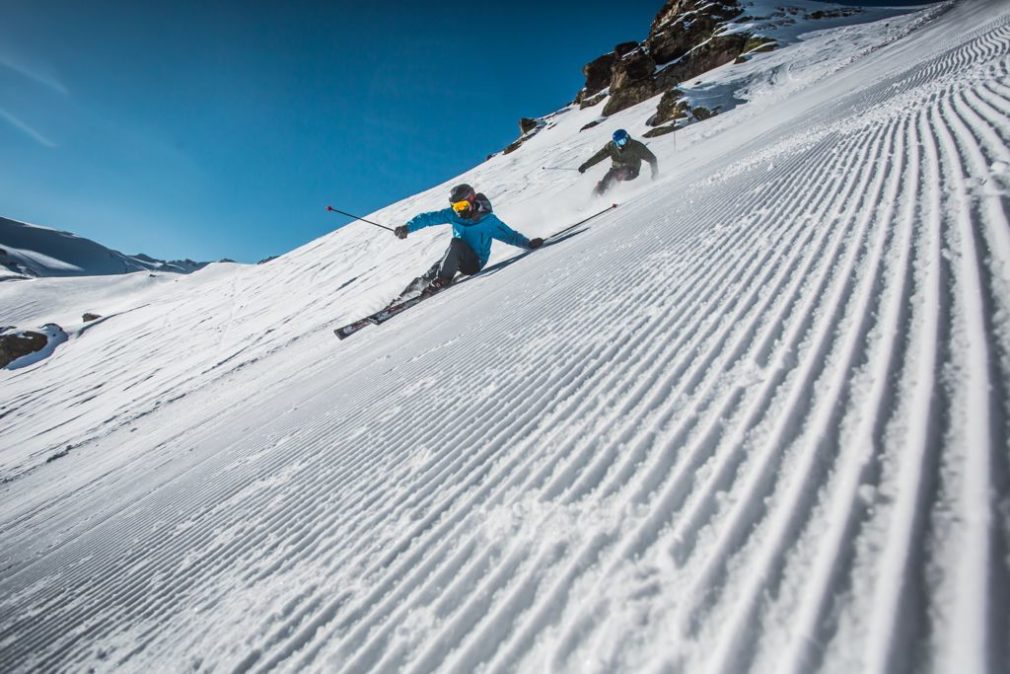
(33, 251)
(754, 419)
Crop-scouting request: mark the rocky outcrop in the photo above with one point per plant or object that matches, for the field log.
(632, 94)
(682, 25)
(597, 73)
(687, 38)
(528, 128)
(660, 131)
(712, 54)
(14, 344)
(684, 41)
(671, 106)
(631, 80)
(88, 317)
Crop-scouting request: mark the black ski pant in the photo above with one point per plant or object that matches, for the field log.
(459, 257)
(615, 174)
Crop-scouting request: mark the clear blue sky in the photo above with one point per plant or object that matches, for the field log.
(222, 129)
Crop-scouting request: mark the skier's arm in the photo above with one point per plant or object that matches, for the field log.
(648, 156)
(595, 159)
(423, 220)
(499, 230)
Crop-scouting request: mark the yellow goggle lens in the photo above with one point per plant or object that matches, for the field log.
(461, 206)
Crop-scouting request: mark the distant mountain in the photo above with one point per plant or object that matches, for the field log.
(29, 250)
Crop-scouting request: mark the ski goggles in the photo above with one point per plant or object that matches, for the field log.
(621, 142)
(462, 206)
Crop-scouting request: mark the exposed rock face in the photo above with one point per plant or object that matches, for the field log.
(702, 113)
(13, 345)
(634, 66)
(712, 54)
(660, 131)
(625, 48)
(630, 95)
(631, 80)
(526, 125)
(592, 100)
(671, 106)
(88, 317)
(681, 25)
(686, 37)
(527, 129)
(597, 73)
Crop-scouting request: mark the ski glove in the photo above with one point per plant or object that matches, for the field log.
(582, 169)
(401, 232)
(536, 243)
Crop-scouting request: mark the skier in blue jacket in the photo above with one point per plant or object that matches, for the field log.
(473, 228)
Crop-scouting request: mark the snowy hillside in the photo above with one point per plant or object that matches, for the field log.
(754, 419)
(29, 250)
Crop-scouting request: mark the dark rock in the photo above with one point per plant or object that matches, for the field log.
(514, 145)
(528, 128)
(592, 100)
(684, 37)
(660, 131)
(757, 44)
(274, 257)
(701, 113)
(634, 67)
(13, 345)
(88, 317)
(714, 53)
(625, 48)
(680, 25)
(597, 73)
(590, 125)
(833, 13)
(671, 106)
(632, 94)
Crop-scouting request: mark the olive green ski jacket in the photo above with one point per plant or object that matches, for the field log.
(630, 156)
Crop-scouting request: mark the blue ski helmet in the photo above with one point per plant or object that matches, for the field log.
(620, 137)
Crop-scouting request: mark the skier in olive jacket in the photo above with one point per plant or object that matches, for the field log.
(473, 228)
(627, 155)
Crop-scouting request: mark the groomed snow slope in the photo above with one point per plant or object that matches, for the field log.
(754, 419)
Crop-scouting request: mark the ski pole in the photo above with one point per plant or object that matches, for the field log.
(356, 217)
(558, 168)
(583, 221)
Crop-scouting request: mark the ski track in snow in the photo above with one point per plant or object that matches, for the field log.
(758, 426)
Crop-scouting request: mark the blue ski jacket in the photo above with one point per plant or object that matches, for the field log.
(476, 233)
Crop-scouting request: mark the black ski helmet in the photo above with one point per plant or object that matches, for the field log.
(461, 192)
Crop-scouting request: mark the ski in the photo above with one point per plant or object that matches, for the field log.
(394, 309)
(397, 308)
(380, 316)
(351, 328)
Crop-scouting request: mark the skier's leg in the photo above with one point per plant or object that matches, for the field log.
(626, 174)
(606, 181)
(458, 258)
(422, 281)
